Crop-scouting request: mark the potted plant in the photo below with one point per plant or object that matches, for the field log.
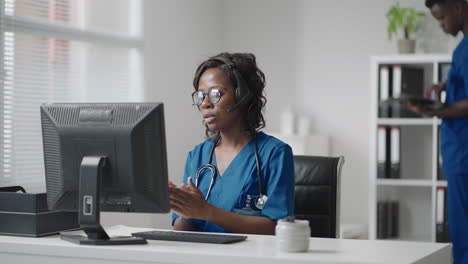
(403, 19)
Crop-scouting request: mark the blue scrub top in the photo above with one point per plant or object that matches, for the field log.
(454, 148)
(454, 140)
(237, 189)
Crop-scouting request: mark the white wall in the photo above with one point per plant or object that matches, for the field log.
(315, 55)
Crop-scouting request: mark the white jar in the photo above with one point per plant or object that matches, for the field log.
(287, 122)
(303, 125)
(292, 235)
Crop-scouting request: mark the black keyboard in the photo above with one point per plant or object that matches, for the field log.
(190, 237)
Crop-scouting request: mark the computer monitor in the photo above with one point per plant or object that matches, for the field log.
(105, 157)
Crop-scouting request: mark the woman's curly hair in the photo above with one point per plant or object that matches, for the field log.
(245, 64)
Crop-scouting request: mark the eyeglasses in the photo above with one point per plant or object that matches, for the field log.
(214, 95)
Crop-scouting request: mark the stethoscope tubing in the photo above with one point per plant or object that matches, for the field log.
(213, 176)
(261, 199)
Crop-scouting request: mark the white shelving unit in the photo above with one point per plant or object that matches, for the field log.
(416, 189)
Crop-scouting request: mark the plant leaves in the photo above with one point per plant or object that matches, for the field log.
(402, 19)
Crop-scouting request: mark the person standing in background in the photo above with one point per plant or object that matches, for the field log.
(452, 16)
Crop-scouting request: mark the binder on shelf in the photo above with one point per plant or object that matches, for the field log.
(408, 81)
(412, 81)
(396, 90)
(384, 92)
(444, 70)
(395, 164)
(387, 219)
(382, 220)
(443, 96)
(392, 219)
(440, 173)
(382, 152)
(394, 209)
(442, 233)
(440, 205)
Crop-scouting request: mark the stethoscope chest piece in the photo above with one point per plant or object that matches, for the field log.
(260, 202)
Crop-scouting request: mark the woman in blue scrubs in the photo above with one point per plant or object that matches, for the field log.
(453, 18)
(239, 180)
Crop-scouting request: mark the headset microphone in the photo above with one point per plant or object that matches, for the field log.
(238, 104)
(233, 108)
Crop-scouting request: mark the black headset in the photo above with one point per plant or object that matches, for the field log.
(242, 92)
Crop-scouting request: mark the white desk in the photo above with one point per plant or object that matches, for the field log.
(256, 250)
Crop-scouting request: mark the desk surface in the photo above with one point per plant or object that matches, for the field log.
(256, 249)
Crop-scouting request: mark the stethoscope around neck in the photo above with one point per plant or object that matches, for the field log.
(262, 198)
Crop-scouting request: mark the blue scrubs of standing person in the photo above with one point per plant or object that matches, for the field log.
(452, 16)
(239, 180)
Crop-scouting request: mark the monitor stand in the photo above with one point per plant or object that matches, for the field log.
(89, 207)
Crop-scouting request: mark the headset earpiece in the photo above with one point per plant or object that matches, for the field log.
(242, 92)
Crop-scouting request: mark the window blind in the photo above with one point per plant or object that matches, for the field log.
(60, 51)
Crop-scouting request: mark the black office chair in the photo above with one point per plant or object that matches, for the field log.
(318, 193)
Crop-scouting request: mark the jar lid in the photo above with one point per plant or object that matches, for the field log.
(297, 222)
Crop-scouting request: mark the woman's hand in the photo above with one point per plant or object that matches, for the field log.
(188, 202)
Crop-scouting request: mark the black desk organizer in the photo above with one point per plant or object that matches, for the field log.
(26, 214)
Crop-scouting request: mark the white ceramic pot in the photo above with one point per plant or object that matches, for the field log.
(292, 235)
(406, 46)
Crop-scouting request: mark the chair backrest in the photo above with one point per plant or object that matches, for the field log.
(317, 197)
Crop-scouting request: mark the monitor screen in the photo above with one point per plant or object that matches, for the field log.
(105, 156)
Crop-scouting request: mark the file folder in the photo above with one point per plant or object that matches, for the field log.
(394, 209)
(382, 212)
(444, 70)
(407, 82)
(384, 92)
(382, 153)
(396, 90)
(387, 219)
(440, 173)
(395, 165)
(442, 233)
